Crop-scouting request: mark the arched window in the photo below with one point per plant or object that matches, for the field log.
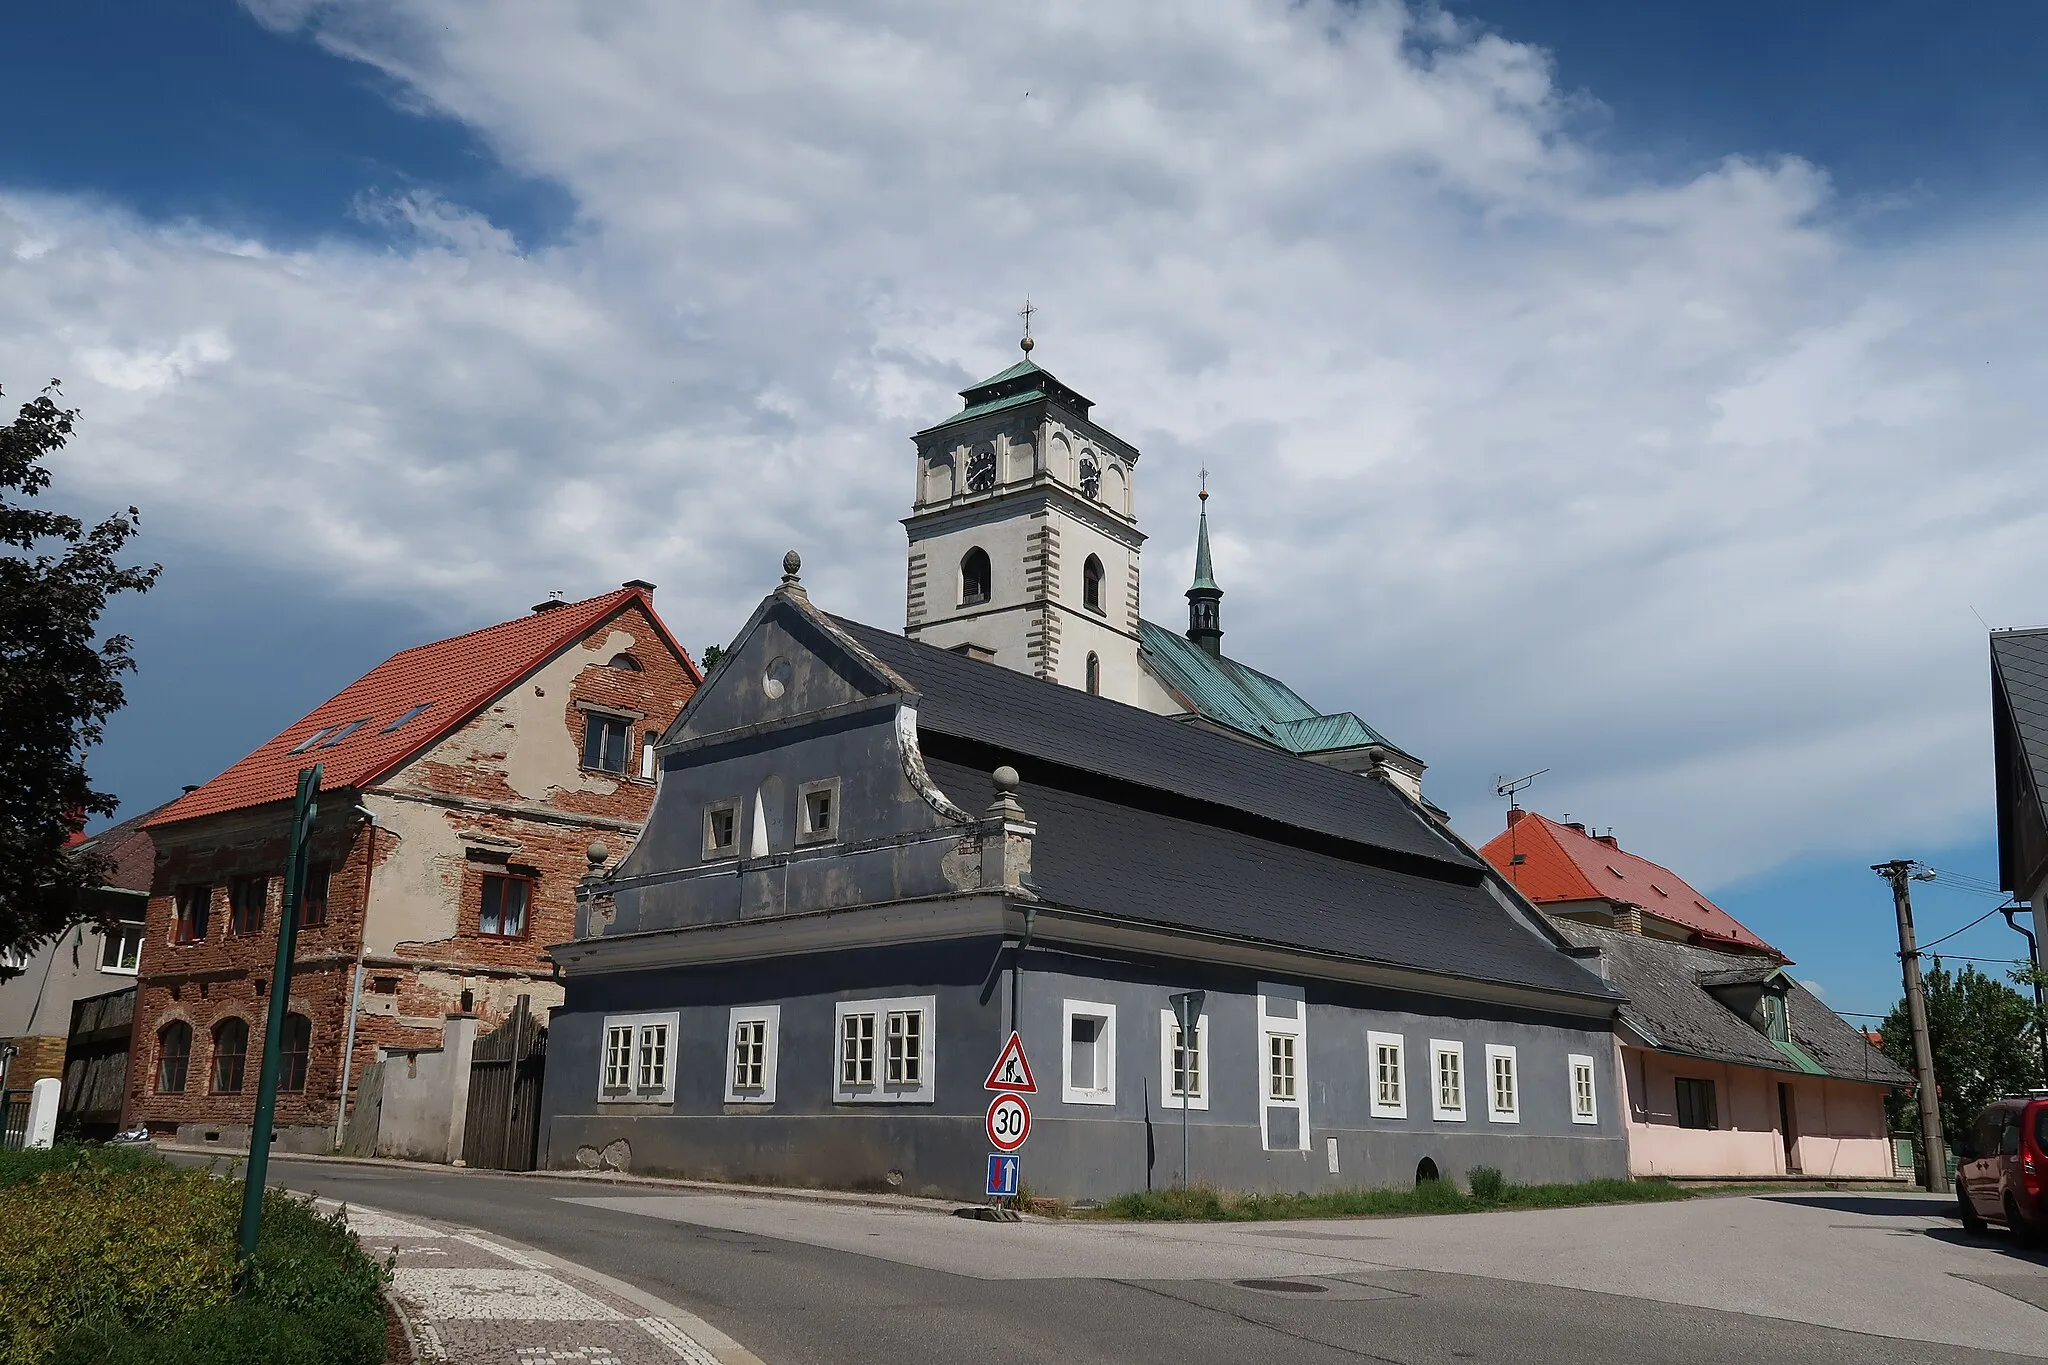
(1095, 674)
(1091, 584)
(173, 1057)
(974, 577)
(230, 1052)
(292, 1050)
(625, 663)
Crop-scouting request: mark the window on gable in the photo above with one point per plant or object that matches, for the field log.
(247, 898)
(194, 914)
(121, 948)
(502, 912)
(975, 577)
(1696, 1108)
(647, 754)
(1389, 1091)
(1585, 1108)
(173, 1057)
(818, 810)
(294, 1047)
(721, 829)
(1091, 584)
(230, 1053)
(406, 719)
(605, 740)
(624, 663)
(1090, 1061)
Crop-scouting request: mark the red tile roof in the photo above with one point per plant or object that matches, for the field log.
(128, 849)
(1560, 863)
(452, 678)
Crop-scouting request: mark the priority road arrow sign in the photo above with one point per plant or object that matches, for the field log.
(1012, 1072)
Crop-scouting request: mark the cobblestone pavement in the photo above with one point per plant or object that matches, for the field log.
(470, 1299)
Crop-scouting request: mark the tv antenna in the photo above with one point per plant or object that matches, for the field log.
(1511, 790)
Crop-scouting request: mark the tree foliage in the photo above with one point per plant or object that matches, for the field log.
(1984, 1040)
(58, 681)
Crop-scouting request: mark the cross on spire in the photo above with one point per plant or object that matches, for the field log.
(1204, 494)
(1025, 312)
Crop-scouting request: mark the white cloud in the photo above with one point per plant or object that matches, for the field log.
(1678, 487)
(1814, 986)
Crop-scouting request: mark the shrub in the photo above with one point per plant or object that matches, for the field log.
(115, 1256)
(20, 1167)
(1487, 1183)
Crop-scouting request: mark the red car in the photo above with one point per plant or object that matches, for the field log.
(2002, 1168)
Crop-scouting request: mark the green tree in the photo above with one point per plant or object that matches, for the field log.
(708, 660)
(1982, 1032)
(58, 681)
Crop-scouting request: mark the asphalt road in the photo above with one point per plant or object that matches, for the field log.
(800, 1283)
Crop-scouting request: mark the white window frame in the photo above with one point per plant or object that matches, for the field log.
(1105, 1091)
(805, 834)
(771, 1048)
(633, 1092)
(1576, 1063)
(127, 930)
(1271, 1026)
(1199, 1101)
(1494, 1113)
(712, 852)
(880, 1091)
(1440, 1048)
(1374, 1041)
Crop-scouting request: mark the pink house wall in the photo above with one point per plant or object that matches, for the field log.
(1839, 1126)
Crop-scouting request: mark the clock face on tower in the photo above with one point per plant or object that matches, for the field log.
(981, 470)
(1091, 479)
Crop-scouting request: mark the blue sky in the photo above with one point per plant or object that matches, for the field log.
(404, 172)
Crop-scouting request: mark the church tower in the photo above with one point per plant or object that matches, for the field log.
(1024, 536)
(1205, 599)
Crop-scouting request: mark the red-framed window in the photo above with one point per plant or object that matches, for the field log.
(505, 906)
(313, 904)
(247, 899)
(195, 910)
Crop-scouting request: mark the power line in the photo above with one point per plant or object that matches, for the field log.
(1964, 930)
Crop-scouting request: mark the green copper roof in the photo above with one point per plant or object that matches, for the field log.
(1204, 575)
(1023, 367)
(1248, 701)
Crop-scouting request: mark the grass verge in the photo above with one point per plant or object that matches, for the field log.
(1204, 1203)
(112, 1256)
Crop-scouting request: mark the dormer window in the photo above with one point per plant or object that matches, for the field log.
(975, 577)
(1775, 1024)
(1091, 584)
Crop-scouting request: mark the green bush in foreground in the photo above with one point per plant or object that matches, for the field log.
(112, 1257)
(20, 1167)
(1205, 1203)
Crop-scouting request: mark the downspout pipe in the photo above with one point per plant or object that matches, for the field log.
(355, 995)
(2011, 913)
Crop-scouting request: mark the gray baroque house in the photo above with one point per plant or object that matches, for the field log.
(870, 858)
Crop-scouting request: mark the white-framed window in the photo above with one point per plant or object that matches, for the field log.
(1183, 1069)
(1283, 1063)
(884, 1050)
(722, 829)
(1585, 1100)
(121, 948)
(648, 755)
(1388, 1054)
(1447, 1080)
(752, 1042)
(1503, 1085)
(639, 1059)
(817, 811)
(1089, 1065)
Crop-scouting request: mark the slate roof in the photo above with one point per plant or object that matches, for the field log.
(987, 703)
(452, 678)
(1246, 700)
(129, 850)
(2020, 658)
(1565, 864)
(1670, 1005)
(1143, 817)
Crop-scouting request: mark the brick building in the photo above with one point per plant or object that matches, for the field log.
(468, 784)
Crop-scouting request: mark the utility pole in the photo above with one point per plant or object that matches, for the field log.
(1900, 872)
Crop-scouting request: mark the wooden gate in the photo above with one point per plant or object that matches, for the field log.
(502, 1131)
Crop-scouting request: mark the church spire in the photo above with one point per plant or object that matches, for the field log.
(1205, 599)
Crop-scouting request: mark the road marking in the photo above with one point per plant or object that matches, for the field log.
(672, 1336)
(501, 1295)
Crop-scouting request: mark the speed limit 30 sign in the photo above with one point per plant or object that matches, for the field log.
(1009, 1123)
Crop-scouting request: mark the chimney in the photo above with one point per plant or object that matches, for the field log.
(1515, 814)
(1628, 919)
(1576, 826)
(639, 583)
(554, 601)
(1609, 840)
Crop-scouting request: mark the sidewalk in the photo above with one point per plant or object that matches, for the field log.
(465, 1296)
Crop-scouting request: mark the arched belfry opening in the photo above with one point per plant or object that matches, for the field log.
(1091, 584)
(976, 578)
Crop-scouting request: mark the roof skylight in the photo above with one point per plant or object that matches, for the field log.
(403, 720)
(343, 732)
(310, 740)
